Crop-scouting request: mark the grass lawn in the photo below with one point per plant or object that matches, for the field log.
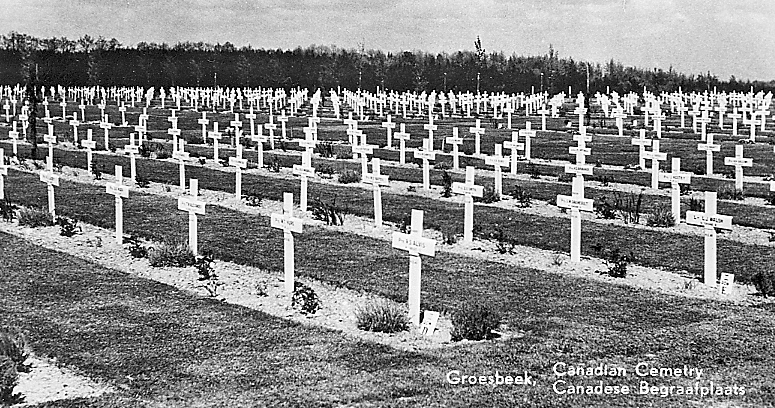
(167, 348)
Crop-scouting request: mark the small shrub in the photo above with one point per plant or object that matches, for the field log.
(628, 205)
(405, 225)
(558, 260)
(331, 214)
(145, 150)
(9, 378)
(325, 171)
(171, 254)
(14, 345)
(96, 172)
(475, 321)
(382, 317)
(489, 195)
(8, 209)
(142, 182)
(348, 176)
(523, 197)
(696, 204)
(727, 192)
(273, 164)
(325, 149)
(207, 275)
(68, 226)
(305, 299)
(34, 217)
(504, 242)
(605, 209)
(202, 161)
(283, 145)
(344, 154)
(446, 180)
(662, 216)
(450, 233)
(261, 288)
(252, 198)
(136, 248)
(615, 261)
(442, 165)
(161, 152)
(764, 282)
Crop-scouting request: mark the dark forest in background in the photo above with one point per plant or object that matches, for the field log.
(91, 61)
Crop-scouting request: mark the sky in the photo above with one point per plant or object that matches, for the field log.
(725, 37)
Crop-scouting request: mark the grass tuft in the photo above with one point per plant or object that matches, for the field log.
(383, 317)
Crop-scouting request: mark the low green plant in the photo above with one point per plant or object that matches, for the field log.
(304, 299)
(441, 165)
(696, 204)
(325, 171)
(96, 172)
(252, 197)
(330, 213)
(348, 176)
(171, 254)
(136, 248)
(34, 217)
(344, 154)
(8, 209)
(505, 243)
(450, 233)
(161, 152)
(9, 379)
(727, 192)
(142, 182)
(489, 195)
(523, 197)
(273, 164)
(764, 282)
(325, 149)
(661, 216)
(208, 277)
(475, 321)
(605, 209)
(68, 227)
(628, 205)
(382, 317)
(446, 180)
(14, 345)
(615, 260)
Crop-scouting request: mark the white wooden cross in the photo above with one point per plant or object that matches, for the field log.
(527, 133)
(402, 137)
(289, 224)
(363, 150)
(74, 122)
(655, 156)
(121, 109)
(376, 180)
(132, 149)
(426, 154)
(120, 191)
(581, 111)
(271, 126)
(389, 126)
(710, 220)
(194, 207)
(173, 119)
(105, 125)
(709, 148)
(682, 109)
(469, 190)
(676, 178)
(283, 119)
(204, 122)
(704, 121)
(89, 144)
(498, 161)
(478, 131)
(305, 170)
(416, 245)
(752, 122)
(181, 155)
(14, 136)
(543, 111)
(721, 109)
(430, 127)
(581, 151)
(216, 136)
(763, 112)
(735, 115)
(259, 139)
(455, 141)
(577, 203)
(3, 173)
(51, 179)
(239, 163)
(7, 107)
(63, 105)
(509, 109)
(514, 145)
(237, 125)
(739, 162)
(657, 119)
(641, 142)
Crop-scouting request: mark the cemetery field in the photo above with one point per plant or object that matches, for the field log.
(653, 248)
(159, 345)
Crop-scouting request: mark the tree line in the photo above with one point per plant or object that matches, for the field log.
(90, 61)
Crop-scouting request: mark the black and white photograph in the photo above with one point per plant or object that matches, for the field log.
(387, 203)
